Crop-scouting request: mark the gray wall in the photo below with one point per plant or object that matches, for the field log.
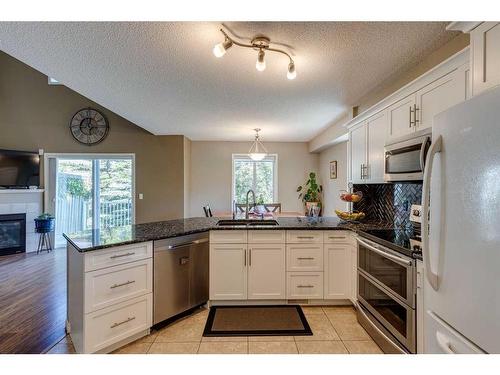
(211, 173)
(35, 116)
(331, 187)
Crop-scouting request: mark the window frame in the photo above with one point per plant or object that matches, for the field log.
(269, 157)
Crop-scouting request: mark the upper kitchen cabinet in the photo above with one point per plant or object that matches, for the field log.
(358, 156)
(401, 117)
(484, 53)
(438, 96)
(485, 56)
(367, 150)
(376, 127)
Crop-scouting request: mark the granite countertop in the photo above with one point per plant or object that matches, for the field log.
(103, 238)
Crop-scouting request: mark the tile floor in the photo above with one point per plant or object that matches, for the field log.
(335, 331)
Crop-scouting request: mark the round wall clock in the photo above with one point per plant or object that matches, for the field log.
(89, 126)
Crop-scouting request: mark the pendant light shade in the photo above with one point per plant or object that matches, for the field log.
(257, 152)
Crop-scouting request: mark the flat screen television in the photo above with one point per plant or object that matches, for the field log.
(19, 169)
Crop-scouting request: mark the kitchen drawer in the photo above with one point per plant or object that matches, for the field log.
(228, 236)
(114, 256)
(115, 323)
(304, 257)
(108, 286)
(304, 285)
(266, 236)
(337, 236)
(304, 236)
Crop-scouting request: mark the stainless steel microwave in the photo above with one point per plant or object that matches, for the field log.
(405, 159)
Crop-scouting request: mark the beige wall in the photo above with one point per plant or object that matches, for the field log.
(211, 173)
(331, 187)
(35, 116)
(392, 84)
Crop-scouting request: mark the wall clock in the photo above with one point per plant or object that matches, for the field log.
(89, 126)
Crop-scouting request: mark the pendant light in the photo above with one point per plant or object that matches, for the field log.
(257, 152)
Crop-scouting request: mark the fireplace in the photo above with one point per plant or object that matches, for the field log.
(12, 234)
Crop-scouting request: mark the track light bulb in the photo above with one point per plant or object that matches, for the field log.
(221, 48)
(292, 73)
(261, 63)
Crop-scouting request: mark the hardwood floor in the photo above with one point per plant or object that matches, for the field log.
(32, 301)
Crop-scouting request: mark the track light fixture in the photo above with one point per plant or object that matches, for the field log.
(260, 44)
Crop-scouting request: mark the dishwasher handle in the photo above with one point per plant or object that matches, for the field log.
(183, 244)
(195, 242)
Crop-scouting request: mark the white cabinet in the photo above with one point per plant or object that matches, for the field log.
(420, 307)
(266, 271)
(357, 147)
(304, 257)
(354, 273)
(304, 285)
(367, 150)
(228, 271)
(400, 117)
(376, 127)
(110, 300)
(485, 56)
(438, 96)
(337, 279)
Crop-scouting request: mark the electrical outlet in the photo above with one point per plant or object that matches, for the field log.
(141, 196)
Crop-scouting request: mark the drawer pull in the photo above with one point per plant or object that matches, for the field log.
(337, 237)
(121, 255)
(305, 237)
(305, 258)
(305, 286)
(114, 325)
(122, 284)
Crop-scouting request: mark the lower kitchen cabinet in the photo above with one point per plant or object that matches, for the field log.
(304, 285)
(110, 299)
(337, 271)
(354, 273)
(266, 271)
(228, 271)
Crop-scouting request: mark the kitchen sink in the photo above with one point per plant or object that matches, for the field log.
(246, 223)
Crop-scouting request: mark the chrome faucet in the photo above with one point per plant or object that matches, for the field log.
(247, 208)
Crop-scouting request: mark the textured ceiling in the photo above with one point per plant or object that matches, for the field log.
(164, 77)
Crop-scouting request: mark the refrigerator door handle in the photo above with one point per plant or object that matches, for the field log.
(435, 148)
(445, 344)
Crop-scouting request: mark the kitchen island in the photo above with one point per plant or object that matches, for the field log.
(296, 260)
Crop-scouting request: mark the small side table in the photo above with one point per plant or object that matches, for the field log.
(44, 242)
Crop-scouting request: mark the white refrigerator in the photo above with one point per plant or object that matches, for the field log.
(461, 236)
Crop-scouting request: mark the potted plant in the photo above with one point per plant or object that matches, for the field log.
(310, 193)
(44, 223)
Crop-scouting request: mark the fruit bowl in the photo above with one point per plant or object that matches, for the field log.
(352, 216)
(351, 197)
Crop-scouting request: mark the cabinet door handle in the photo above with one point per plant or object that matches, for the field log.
(415, 118)
(305, 258)
(245, 258)
(121, 255)
(305, 286)
(361, 171)
(411, 111)
(122, 284)
(120, 323)
(250, 258)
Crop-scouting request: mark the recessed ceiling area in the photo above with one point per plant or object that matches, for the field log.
(164, 77)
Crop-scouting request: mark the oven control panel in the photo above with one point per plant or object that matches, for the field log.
(416, 213)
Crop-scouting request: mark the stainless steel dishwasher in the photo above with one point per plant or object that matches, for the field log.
(180, 275)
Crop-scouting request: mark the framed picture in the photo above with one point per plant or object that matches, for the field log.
(333, 169)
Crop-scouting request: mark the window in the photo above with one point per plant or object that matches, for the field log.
(260, 176)
(93, 193)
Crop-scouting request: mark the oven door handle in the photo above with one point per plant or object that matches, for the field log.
(394, 258)
(422, 153)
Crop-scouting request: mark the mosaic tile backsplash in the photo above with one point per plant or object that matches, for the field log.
(389, 203)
